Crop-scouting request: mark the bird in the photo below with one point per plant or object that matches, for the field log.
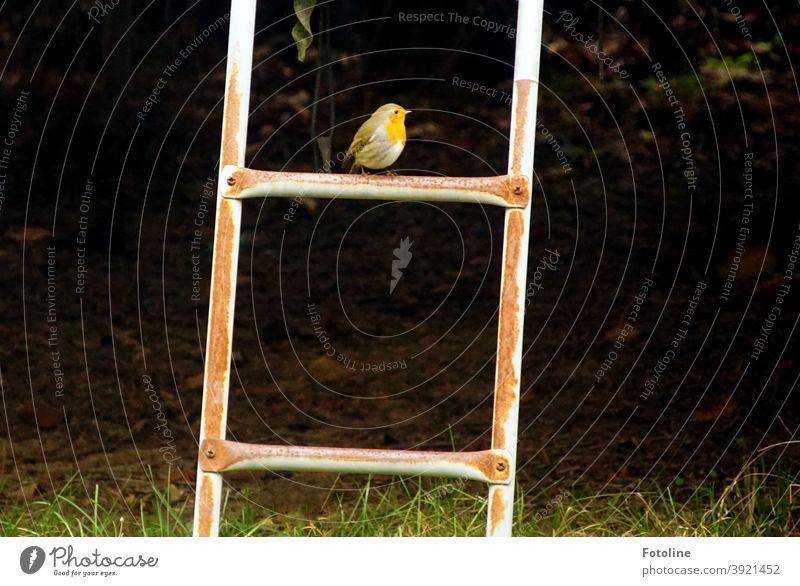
(380, 140)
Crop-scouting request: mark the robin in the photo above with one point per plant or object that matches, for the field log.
(380, 140)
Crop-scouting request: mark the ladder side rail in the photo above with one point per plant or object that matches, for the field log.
(216, 379)
(500, 506)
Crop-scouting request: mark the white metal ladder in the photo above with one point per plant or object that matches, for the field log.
(496, 466)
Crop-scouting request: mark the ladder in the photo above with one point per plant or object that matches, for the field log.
(496, 466)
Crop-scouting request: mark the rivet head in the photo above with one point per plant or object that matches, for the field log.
(231, 180)
(501, 466)
(517, 190)
(210, 453)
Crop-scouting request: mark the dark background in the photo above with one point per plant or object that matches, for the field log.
(620, 215)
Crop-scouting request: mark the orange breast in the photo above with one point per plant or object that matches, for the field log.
(396, 131)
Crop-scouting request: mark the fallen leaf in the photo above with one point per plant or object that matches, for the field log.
(45, 416)
(771, 284)
(27, 491)
(618, 332)
(747, 265)
(326, 369)
(621, 474)
(720, 408)
(19, 234)
(194, 382)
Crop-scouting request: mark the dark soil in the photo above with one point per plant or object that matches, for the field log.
(418, 366)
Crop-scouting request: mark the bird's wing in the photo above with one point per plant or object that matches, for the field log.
(358, 144)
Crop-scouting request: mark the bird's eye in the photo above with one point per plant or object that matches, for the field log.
(397, 111)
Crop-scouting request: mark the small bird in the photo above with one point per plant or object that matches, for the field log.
(380, 140)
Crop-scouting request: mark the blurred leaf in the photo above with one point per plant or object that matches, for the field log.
(324, 145)
(301, 33)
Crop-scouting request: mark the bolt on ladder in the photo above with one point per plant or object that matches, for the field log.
(496, 466)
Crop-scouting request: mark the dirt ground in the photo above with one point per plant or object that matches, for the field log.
(640, 364)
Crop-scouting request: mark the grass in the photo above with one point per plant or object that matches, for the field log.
(755, 503)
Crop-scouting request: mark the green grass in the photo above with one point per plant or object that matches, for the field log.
(754, 503)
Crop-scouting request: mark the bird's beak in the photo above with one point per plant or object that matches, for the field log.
(408, 112)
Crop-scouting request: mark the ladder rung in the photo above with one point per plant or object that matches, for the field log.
(508, 191)
(490, 466)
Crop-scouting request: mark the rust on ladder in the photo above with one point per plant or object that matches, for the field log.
(522, 89)
(497, 508)
(219, 351)
(205, 513)
(230, 124)
(506, 383)
(223, 271)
